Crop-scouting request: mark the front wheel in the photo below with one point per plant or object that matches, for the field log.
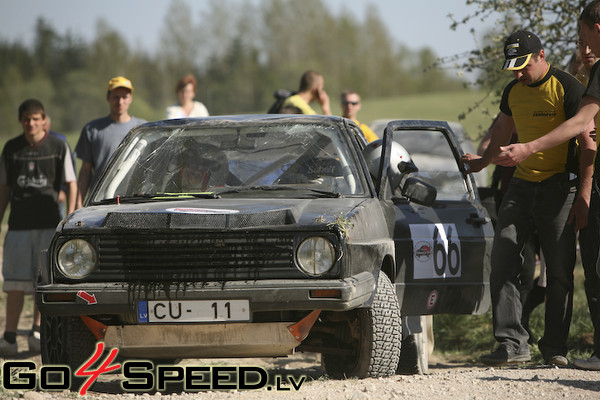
(66, 341)
(369, 340)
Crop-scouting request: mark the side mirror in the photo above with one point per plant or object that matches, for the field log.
(419, 192)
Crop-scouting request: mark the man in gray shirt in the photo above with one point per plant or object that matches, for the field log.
(100, 137)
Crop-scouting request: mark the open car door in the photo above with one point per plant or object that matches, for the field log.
(443, 251)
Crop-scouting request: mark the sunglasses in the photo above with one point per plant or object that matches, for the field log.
(354, 103)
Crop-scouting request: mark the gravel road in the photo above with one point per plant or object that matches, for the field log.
(444, 381)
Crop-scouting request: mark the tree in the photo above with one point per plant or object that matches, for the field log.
(554, 21)
(179, 41)
(240, 51)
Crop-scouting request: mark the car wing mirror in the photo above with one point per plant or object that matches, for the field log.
(419, 192)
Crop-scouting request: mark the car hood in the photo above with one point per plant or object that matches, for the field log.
(223, 214)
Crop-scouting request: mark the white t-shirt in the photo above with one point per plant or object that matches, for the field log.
(175, 111)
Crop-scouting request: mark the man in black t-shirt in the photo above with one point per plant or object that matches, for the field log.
(589, 35)
(33, 166)
(542, 196)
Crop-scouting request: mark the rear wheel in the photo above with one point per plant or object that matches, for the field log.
(369, 339)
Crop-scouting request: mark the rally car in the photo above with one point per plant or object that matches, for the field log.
(260, 236)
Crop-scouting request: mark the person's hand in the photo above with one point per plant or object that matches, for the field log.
(473, 162)
(512, 154)
(323, 99)
(579, 214)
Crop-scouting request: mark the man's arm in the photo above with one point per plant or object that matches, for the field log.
(4, 199)
(500, 133)
(485, 140)
(323, 99)
(580, 123)
(580, 209)
(83, 183)
(71, 196)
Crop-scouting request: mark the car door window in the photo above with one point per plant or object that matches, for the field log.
(431, 153)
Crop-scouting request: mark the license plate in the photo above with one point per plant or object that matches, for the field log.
(193, 311)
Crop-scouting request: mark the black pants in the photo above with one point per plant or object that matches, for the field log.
(589, 241)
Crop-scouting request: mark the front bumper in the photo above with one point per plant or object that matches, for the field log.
(263, 295)
(202, 341)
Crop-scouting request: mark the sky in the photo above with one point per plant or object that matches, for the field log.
(414, 23)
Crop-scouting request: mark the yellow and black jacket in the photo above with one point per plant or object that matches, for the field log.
(537, 109)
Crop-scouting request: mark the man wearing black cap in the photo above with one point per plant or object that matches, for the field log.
(543, 195)
(589, 35)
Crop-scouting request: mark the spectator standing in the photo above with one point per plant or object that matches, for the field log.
(351, 105)
(542, 196)
(532, 290)
(186, 106)
(311, 89)
(575, 64)
(588, 60)
(589, 236)
(33, 166)
(100, 138)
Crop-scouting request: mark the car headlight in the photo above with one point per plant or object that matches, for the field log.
(77, 258)
(315, 255)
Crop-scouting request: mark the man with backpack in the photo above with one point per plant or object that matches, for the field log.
(310, 90)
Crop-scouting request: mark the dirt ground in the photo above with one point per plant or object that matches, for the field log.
(445, 380)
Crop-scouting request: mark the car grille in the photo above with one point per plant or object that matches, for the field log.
(196, 257)
(183, 220)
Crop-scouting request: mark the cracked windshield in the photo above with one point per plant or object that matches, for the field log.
(292, 160)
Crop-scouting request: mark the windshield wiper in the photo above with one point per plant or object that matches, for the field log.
(267, 188)
(156, 197)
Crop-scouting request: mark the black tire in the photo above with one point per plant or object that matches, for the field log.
(414, 357)
(66, 341)
(375, 332)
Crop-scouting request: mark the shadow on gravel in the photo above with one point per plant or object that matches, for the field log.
(592, 386)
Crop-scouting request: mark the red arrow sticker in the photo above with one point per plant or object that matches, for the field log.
(89, 298)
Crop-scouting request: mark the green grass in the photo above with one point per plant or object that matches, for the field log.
(446, 106)
(464, 338)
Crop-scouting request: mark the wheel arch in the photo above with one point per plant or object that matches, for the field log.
(388, 267)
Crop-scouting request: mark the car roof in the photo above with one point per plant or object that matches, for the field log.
(250, 118)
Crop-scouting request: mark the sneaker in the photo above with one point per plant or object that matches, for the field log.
(557, 360)
(505, 355)
(34, 342)
(592, 363)
(8, 349)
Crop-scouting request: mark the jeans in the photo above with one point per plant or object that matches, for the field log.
(589, 240)
(526, 207)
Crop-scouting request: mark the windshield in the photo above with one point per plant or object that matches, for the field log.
(284, 159)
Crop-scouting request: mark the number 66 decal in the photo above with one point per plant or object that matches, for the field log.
(436, 251)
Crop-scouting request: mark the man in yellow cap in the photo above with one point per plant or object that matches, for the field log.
(100, 138)
(549, 192)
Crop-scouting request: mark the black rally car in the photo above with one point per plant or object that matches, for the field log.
(259, 236)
